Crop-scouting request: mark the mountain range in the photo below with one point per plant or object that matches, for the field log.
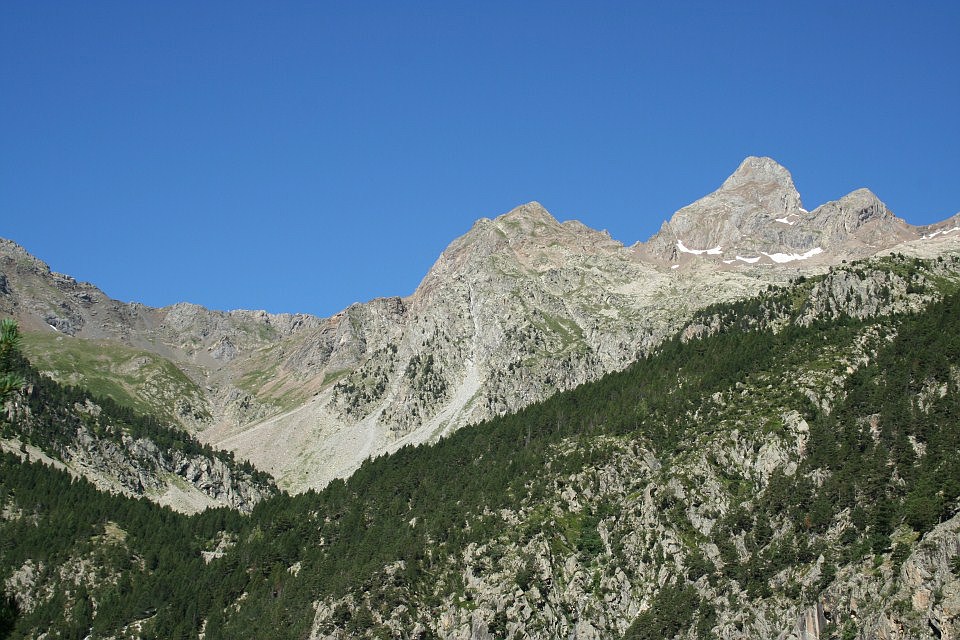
(745, 427)
(519, 307)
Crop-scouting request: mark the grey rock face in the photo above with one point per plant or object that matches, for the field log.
(743, 210)
(756, 216)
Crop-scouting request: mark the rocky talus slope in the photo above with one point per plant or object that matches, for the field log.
(518, 308)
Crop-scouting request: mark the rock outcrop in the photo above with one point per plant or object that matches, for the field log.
(89, 443)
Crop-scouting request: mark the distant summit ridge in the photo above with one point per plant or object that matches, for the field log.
(757, 217)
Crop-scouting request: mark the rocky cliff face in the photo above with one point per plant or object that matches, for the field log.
(519, 307)
(186, 482)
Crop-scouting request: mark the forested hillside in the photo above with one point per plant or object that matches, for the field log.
(784, 465)
(120, 449)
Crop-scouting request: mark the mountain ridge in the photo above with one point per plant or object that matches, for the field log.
(520, 306)
(779, 467)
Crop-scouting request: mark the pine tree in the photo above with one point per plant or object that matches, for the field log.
(9, 345)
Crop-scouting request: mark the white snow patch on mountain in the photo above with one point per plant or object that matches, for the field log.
(940, 232)
(715, 251)
(748, 260)
(781, 258)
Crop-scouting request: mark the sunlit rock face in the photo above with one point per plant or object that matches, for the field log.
(756, 216)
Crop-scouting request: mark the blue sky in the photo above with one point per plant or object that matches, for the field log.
(304, 156)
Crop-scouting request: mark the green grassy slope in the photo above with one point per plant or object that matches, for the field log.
(135, 378)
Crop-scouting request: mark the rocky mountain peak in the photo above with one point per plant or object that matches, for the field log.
(532, 210)
(858, 224)
(530, 219)
(18, 257)
(526, 235)
(526, 238)
(758, 195)
(866, 205)
(761, 171)
(760, 185)
(533, 238)
(517, 307)
(756, 217)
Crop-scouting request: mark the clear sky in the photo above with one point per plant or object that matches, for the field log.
(303, 156)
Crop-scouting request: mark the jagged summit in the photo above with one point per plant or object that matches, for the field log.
(759, 170)
(859, 208)
(759, 184)
(864, 200)
(532, 211)
(758, 194)
(524, 216)
(756, 217)
(527, 220)
(527, 237)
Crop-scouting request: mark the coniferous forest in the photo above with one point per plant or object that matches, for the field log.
(876, 472)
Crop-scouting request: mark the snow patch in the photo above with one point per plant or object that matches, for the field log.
(940, 232)
(674, 266)
(787, 220)
(742, 259)
(716, 251)
(781, 258)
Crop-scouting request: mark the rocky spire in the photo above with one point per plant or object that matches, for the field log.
(762, 171)
(759, 192)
